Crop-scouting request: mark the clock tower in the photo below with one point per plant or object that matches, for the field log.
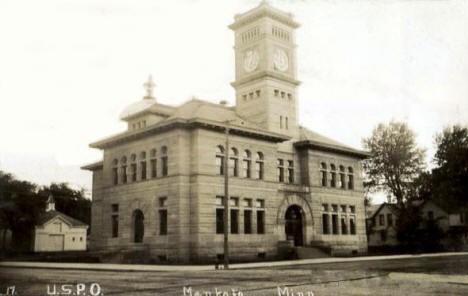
(265, 58)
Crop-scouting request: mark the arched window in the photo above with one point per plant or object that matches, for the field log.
(259, 166)
(350, 178)
(342, 177)
(123, 167)
(143, 165)
(323, 173)
(115, 172)
(133, 168)
(233, 162)
(286, 122)
(153, 164)
(333, 175)
(246, 164)
(220, 159)
(138, 226)
(164, 161)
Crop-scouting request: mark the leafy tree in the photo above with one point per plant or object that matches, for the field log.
(395, 160)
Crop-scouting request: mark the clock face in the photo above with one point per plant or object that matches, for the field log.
(251, 58)
(280, 60)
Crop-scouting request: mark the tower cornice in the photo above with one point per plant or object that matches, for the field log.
(265, 74)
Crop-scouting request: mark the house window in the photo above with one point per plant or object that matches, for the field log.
(219, 221)
(383, 235)
(352, 225)
(390, 219)
(335, 223)
(350, 178)
(333, 175)
(430, 215)
(323, 172)
(143, 165)
(381, 219)
(246, 166)
(280, 170)
(220, 160)
(259, 166)
(247, 221)
(162, 222)
(325, 226)
(261, 222)
(290, 171)
(233, 161)
(164, 161)
(342, 177)
(234, 221)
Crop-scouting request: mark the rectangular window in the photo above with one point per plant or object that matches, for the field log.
(342, 181)
(260, 203)
(247, 202)
(260, 222)
(343, 208)
(390, 219)
(333, 180)
(344, 225)
(234, 202)
(334, 208)
(324, 178)
(163, 222)
(290, 171)
(352, 225)
(162, 201)
(325, 207)
(154, 171)
(350, 182)
(115, 207)
(325, 226)
(335, 224)
(352, 209)
(115, 225)
(143, 170)
(234, 221)
(219, 221)
(164, 165)
(247, 221)
(133, 167)
(259, 170)
(220, 164)
(233, 167)
(115, 176)
(381, 219)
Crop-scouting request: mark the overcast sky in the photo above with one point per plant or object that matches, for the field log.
(68, 68)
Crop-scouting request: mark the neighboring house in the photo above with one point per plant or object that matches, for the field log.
(160, 185)
(57, 232)
(382, 222)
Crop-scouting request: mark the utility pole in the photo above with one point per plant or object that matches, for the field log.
(226, 198)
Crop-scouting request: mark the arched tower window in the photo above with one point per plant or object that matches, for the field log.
(259, 166)
(246, 164)
(115, 172)
(332, 175)
(233, 162)
(220, 159)
(164, 161)
(153, 163)
(350, 178)
(133, 168)
(123, 167)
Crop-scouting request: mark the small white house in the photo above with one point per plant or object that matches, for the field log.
(57, 232)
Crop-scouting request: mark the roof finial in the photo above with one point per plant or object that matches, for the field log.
(50, 206)
(149, 85)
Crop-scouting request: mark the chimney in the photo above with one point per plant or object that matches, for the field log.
(389, 198)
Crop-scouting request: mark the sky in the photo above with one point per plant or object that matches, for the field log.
(68, 68)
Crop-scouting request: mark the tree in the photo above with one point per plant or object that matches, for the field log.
(395, 160)
(449, 180)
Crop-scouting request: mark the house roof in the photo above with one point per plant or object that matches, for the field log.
(49, 215)
(391, 206)
(93, 166)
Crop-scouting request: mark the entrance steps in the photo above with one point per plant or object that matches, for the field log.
(311, 252)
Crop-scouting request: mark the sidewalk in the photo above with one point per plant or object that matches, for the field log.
(156, 268)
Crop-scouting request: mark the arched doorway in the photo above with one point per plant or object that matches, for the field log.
(138, 226)
(293, 225)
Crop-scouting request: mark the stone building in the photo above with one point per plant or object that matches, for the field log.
(160, 185)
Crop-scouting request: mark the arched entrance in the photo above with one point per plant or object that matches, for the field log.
(294, 225)
(138, 226)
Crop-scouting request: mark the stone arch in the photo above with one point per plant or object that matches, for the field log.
(306, 211)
